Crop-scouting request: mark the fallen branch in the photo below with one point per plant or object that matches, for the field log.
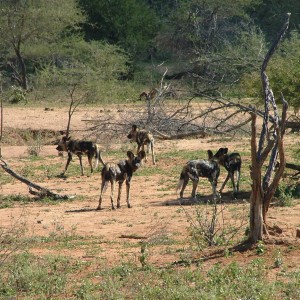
(293, 167)
(163, 136)
(41, 191)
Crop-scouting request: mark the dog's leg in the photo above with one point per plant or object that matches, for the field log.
(152, 151)
(183, 181)
(68, 162)
(238, 175)
(214, 183)
(112, 182)
(143, 149)
(102, 192)
(128, 193)
(195, 184)
(224, 183)
(80, 161)
(90, 159)
(119, 194)
(233, 184)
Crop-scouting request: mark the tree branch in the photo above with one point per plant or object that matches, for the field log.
(41, 191)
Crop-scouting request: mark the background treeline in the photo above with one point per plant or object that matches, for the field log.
(114, 49)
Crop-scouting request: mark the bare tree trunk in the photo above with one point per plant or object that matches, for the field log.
(256, 199)
(270, 145)
(1, 117)
(23, 75)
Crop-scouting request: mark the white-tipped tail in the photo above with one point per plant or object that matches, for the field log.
(101, 159)
(97, 156)
(179, 185)
(105, 187)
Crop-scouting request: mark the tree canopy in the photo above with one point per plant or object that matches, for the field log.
(213, 45)
(25, 23)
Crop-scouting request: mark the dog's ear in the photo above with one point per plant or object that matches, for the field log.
(221, 152)
(134, 127)
(210, 154)
(142, 154)
(130, 155)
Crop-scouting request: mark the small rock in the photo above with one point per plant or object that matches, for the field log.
(298, 233)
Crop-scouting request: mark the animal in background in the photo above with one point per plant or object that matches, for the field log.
(142, 137)
(149, 95)
(79, 148)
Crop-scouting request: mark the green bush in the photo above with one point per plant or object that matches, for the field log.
(283, 72)
(285, 193)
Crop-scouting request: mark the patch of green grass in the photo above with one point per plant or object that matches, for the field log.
(5, 178)
(9, 200)
(32, 276)
(295, 152)
(162, 239)
(50, 277)
(150, 171)
(184, 154)
(49, 170)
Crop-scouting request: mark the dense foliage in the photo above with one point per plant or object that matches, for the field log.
(208, 45)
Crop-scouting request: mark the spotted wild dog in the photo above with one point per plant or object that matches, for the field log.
(194, 169)
(232, 163)
(149, 95)
(79, 148)
(142, 137)
(119, 172)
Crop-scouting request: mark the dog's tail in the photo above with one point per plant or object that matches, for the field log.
(179, 185)
(105, 186)
(181, 179)
(97, 155)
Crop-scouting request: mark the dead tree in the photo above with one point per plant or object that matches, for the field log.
(269, 146)
(1, 116)
(34, 188)
(74, 103)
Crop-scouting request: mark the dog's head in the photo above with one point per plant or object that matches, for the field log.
(219, 155)
(62, 144)
(136, 161)
(132, 134)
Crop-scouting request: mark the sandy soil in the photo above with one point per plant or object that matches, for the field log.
(155, 214)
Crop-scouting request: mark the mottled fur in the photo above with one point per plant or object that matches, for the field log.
(142, 138)
(119, 172)
(232, 163)
(194, 169)
(79, 148)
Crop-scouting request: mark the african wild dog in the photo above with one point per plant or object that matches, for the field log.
(120, 172)
(142, 138)
(79, 148)
(149, 95)
(194, 169)
(232, 163)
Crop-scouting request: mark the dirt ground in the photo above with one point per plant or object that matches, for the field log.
(156, 212)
